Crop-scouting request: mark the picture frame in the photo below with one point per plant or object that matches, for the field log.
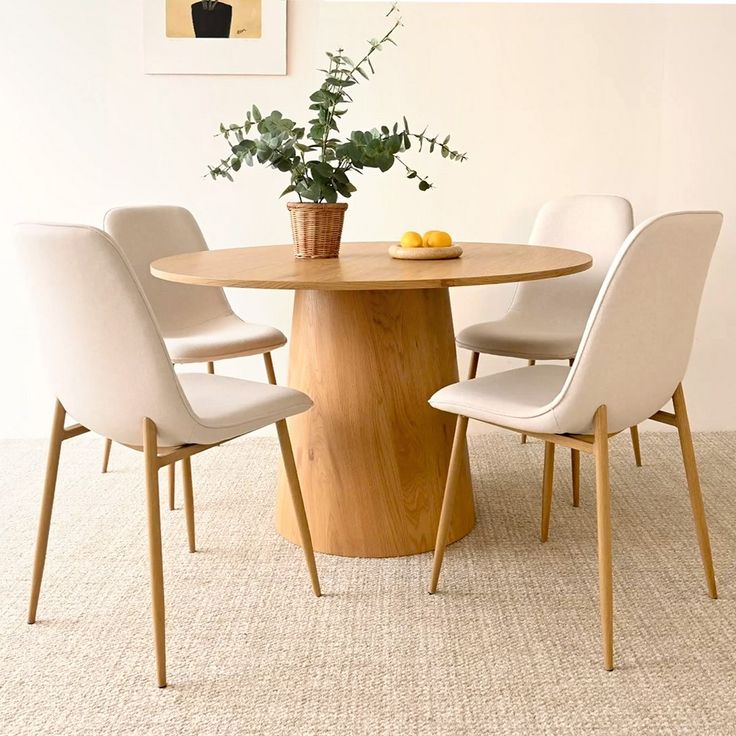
(171, 47)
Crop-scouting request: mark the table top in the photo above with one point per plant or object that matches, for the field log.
(367, 266)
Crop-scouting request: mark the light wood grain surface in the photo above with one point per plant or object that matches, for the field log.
(368, 266)
(372, 453)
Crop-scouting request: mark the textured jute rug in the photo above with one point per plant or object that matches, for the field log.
(510, 644)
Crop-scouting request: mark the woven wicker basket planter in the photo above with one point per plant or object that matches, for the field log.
(317, 228)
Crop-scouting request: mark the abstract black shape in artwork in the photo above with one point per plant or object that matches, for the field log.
(211, 19)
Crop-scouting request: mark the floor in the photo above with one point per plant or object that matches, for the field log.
(509, 645)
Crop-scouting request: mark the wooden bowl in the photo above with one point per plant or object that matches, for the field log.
(424, 254)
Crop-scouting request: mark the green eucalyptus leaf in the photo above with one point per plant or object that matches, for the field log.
(345, 191)
(386, 162)
(328, 193)
(323, 169)
(312, 192)
(336, 82)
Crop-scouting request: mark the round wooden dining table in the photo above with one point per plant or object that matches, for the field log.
(371, 340)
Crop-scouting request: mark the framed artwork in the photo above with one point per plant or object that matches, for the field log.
(215, 36)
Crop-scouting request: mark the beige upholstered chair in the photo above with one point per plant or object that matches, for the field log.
(631, 361)
(110, 370)
(546, 319)
(197, 324)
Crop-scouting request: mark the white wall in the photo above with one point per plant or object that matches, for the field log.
(547, 100)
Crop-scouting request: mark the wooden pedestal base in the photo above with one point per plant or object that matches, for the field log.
(372, 454)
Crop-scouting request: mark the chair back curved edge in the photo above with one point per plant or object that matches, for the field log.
(105, 358)
(637, 342)
(593, 223)
(148, 233)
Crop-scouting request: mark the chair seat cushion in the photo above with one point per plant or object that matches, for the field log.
(522, 398)
(517, 337)
(223, 337)
(225, 407)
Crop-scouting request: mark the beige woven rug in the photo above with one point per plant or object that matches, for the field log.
(510, 646)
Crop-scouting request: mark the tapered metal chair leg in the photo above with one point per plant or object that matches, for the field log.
(523, 436)
(473, 367)
(693, 484)
(575, 462)
(575, 465)
(268, 361)
(635, 444)
(547, 485)
(296, 497)
(150, 454)
(47, 505)
(186, 470)
(172, 486)
(106, 454)
(603, 512)
(457, 459)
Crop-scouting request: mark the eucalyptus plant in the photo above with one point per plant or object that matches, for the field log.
(319, 161)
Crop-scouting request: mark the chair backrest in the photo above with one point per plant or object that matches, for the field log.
(594, 223)
(104, 355)
(146, 234)
(637, 342)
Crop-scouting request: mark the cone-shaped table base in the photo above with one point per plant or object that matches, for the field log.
(372, 454)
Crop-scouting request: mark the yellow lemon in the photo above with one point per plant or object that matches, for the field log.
(427, 235)
(411, 239)
(438, 239)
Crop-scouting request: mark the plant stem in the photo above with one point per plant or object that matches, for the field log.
(350, 74)
(409, 169)
(439, 144)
